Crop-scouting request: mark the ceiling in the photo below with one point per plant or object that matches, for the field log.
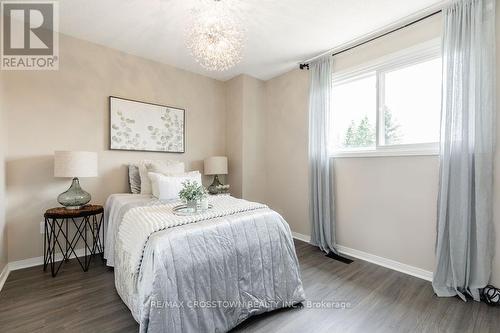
(279, 33)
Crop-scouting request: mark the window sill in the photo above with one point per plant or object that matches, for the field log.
(386, 153)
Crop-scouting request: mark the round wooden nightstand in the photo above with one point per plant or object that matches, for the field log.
(88, 219)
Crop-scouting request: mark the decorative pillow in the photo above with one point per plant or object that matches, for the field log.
(163, 167)
(168, 187)
(134, 179)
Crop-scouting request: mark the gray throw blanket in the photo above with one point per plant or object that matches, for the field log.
(211, 275)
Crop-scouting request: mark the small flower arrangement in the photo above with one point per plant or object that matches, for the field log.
(192, 191)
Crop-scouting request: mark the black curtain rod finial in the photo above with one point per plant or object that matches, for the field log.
(304, 66)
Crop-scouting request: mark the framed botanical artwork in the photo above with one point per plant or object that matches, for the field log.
(142, 126)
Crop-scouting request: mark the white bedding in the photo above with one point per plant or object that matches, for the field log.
(114, 210)
(243, 254)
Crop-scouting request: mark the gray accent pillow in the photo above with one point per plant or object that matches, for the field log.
(134, 179)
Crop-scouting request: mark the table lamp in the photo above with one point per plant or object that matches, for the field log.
(215, 165)
(74, 164)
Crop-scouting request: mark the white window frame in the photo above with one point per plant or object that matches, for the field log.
(410, 56)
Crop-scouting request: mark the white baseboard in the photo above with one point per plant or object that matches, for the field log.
(25, 263)
(4, 275)
(302, 237)
(30, 262)
(388, 263)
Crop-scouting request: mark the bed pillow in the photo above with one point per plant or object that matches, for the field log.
(168, 187)
(134, 179)
(163, 167)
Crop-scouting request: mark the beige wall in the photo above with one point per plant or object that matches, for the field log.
(68, 109)
(246, 137)
(287, 146)
(234, 134)
(3, 146)
(254, 139)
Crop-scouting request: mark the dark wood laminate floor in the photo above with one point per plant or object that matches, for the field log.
(380, 300)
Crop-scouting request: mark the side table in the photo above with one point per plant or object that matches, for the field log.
(59, 221)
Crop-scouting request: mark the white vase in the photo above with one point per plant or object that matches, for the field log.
(204, 204)
(192, 205)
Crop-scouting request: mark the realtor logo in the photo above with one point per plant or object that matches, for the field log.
(29, 37)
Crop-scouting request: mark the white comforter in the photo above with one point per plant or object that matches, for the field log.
(116, 207)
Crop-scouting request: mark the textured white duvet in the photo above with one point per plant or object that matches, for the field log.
(115, 208)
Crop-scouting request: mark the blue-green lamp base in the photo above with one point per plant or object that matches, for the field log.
(74, 197)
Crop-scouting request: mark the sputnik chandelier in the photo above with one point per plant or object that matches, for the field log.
(214, 38)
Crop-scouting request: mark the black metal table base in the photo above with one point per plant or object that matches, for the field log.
(88, 230)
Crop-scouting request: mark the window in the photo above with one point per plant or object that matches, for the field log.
(391, 107)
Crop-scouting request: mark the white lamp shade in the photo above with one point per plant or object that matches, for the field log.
(75, 164)
(215, 165)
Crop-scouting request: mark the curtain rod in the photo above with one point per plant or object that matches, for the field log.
(305, 65)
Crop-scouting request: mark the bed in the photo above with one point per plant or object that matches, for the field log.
(199, 274)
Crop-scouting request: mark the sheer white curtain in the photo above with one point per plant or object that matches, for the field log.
(464, 235)
(322, 202)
